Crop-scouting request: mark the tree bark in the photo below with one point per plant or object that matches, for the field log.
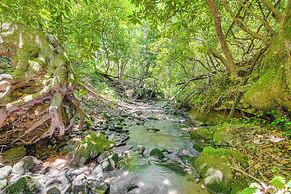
(241, 23)
(36, 98)
(275, 13)
(228, 62)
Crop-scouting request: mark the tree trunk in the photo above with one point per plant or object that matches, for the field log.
(36, 97)
(228, 61)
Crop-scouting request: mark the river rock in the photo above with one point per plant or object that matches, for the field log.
(81, 184)
(98, 187)
(91, 146)
(103, 156)
(140, 149)
(98, 172)
(26, 164)
(108, 165)
(5, 171)
(153, 129)
(120, 150)
(157, 153)
(53, 190)
(3, 183)
(24, 184)
(213, 166)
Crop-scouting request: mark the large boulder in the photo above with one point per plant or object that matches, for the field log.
(214, 165)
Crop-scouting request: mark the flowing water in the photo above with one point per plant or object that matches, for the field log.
(145, 174)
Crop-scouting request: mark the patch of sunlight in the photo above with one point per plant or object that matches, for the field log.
(141, 184)
(173, 192)
(125, 173)
(167, 182)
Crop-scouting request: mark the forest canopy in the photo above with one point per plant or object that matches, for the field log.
(221, 61)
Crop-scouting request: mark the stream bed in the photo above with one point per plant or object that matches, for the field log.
(152, 127)
(152, 154)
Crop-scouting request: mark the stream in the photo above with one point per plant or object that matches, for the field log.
(154, 127)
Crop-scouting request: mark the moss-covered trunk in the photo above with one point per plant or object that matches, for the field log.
(273, 89)
(36, 94)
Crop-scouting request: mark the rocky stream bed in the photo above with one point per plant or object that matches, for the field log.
(144, 150)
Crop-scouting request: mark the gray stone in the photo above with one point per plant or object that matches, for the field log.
(53, 190)
(103, 156)
(26, 164)
(5, 171)
(98, 172)
(108, 165)
(3, 183)
(213, 175)
(157, 153)
(140, 149)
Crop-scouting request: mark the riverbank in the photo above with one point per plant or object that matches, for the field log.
(243, 152)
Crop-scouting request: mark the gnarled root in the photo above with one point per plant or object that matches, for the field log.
(36, 99)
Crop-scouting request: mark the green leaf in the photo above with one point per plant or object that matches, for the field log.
(278, 182)
(248, 191)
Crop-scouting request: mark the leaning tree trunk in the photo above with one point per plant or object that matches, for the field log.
(36, 92)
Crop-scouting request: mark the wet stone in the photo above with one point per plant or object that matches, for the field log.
(27, 164)
(5, 171)
(3, 183)
(53, 190)
(157, 153)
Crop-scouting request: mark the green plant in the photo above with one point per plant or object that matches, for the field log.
(278, 185)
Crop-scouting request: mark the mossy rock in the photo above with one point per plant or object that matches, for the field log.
(267, 92)
(174, 166)
(13, 155)
(202, 132)
(214, 164)
(222, 134)
(24, 184)
(157, 153)
(91, 146)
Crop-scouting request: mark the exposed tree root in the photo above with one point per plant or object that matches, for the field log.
(36, 99)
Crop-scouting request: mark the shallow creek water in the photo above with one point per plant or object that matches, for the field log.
(146, 173)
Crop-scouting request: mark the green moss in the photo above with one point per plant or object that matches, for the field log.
(15, 154)
(222, 133)
(205, 133)
(219, 187)
(210, 117)
(25, 184)
(218, 159)
(266, 93)
(91, 146)
(157, 153)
